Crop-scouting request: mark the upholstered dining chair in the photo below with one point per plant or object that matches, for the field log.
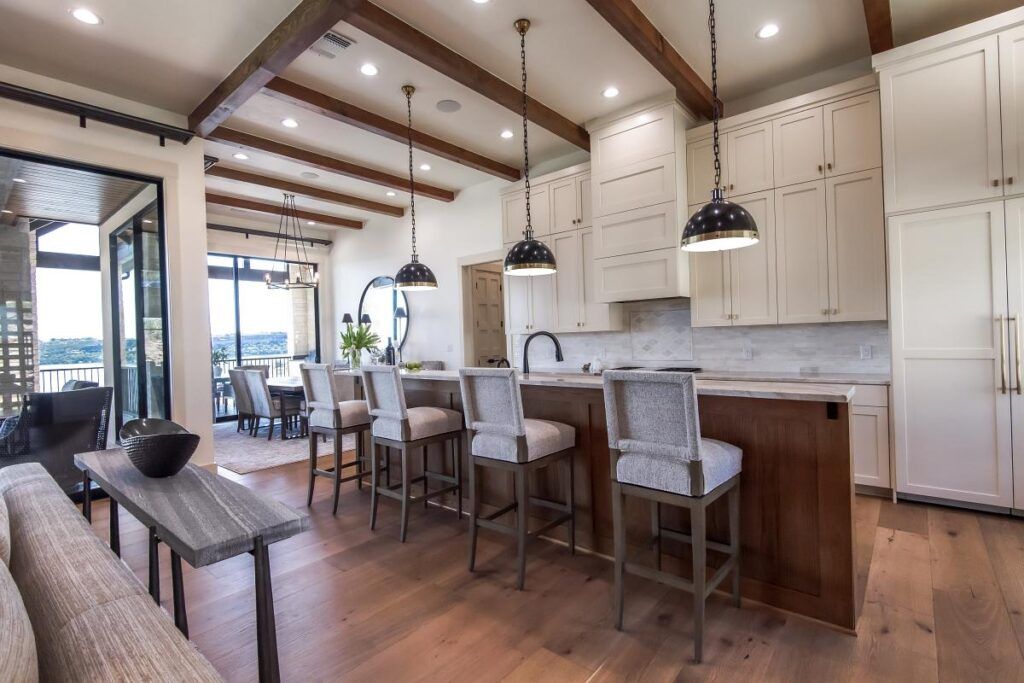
(266, 406)
(331, 415)
(658, 454)
(406, 430)
(501, 438)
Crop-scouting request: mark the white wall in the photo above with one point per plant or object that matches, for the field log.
(444, 233)
(40, 131)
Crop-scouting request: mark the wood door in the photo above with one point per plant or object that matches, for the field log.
(710, 287)
(950, 390)
(563, 201)
(517, 304)
(799, 147)
(488, 315)
(801, 249)
(586, 200)
(1011, 89)
(700, 170)
(856, 247)
(594, 315)
(751, 167)
(869, 443)
(853, 135)
(941, 128)
(1015, 288)
(752, 273)
(566, 314)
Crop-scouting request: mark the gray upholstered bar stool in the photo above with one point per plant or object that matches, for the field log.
(408, 429)
(331, 416)
(658, 454)
(501, 438)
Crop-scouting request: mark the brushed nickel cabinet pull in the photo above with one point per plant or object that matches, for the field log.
(995, 183)
(1003, 341)
(1009, 181)
(835, 311)
(829, 166)
(820, 169)
(1016, 351)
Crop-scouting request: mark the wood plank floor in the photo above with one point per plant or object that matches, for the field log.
(944, 600)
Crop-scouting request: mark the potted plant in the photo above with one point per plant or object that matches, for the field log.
(218, 356)
(354, 340)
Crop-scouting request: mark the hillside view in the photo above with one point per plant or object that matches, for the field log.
(89, 351)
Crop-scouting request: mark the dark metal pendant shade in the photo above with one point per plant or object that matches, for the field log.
(719, 225)
(529, 257)
(415, 276)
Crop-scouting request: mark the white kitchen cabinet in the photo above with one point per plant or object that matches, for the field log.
(1014, 212)
(529, 304)
(644, 229)
(564, 203)
(869, 443)
(576, 308)
(586, 200)
(644, 183)
(856, 247)
(700, 169)
(638, 137)
(710, 288)
(952, 366)
(801, 241)
(657, 274)
(595, 315)
(799, 147)
(853, 135)
(1011, 89)
(751, 165)
(941, 127)
(513, 214)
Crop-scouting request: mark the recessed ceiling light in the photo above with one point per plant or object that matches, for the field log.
(481, 2)
(448, 106)
(310, 222)
(390, 193)
(767, 31)
(240, 156)
(611, 91)
(18, 180)
(507, 134)
(290, 123)
(424, 167)
(309, 174)
(146, 220)
(368, 69)
(86, 16)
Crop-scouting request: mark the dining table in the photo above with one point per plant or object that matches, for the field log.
(285, 388)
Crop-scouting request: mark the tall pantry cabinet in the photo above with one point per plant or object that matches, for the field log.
(953, 138)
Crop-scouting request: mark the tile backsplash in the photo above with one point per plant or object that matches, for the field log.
(659, 332)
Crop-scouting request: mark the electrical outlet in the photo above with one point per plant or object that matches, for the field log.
(865, 351)
(748, 351)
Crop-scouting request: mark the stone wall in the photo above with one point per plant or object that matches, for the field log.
(19, 355)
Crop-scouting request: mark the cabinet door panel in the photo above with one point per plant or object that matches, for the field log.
(941, 128)
(710, 287)
(513, 216)
(1011, 79)
(801, 248)
(635, 277)
(1015, 288)
(700, 170)
(596, 316)
(564, 205)
(566, 311)
(869, 443)
(631, 232)
(799, 149)
(750, 155)
(631, 187)
(853, 135)
(542, 300)
(586, 200)
(856, 246)
(517, 304)
(639, 137)
(951, 416)
(752, 273)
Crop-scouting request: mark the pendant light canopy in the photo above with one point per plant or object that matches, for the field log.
(413, 275)
(528, 256)
(719, 224)
(299, 273)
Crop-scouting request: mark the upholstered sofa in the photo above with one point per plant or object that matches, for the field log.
(70, 610)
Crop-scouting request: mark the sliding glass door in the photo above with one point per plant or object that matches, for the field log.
(251, 324)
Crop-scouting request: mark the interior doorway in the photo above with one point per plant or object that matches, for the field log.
(485, 294)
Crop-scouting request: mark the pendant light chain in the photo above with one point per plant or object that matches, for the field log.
(526, 142)
(412, 184)
(715, 110)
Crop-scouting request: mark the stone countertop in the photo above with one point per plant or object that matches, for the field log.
(742, 388)
(812, 378)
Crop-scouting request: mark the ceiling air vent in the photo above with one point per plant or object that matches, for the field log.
(331, 44)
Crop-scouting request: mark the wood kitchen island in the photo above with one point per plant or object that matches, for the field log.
(797, 522)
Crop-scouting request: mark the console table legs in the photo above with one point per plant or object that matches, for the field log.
(178, 588)
(154, 566)
(86, 497)
(115, 528)
(266, 629)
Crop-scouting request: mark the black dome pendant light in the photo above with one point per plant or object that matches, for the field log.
(413, 276)
(719, 224)
(528, 256)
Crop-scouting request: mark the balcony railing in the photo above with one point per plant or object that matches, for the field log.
(53, 377)
(280, 366)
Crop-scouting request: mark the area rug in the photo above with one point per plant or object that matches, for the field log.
(242, 454)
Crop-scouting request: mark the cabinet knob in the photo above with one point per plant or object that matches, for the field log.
(731, 186)
(1009, 181)
(829, 166)
(835, 311)
(995, 183)
(820, 169)
(824, 311)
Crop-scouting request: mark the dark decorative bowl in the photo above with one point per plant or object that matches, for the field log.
(158, 448)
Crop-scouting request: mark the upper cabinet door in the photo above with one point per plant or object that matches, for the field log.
(941, 128)
(594, 316)
(752, 274)
(710, 287)
(564, 203)
(638, 185)
(542, 300)
(638, 137)
(540, 212)
(517, 304)
(853, 135)
(513, 216)
(566, 315)
(1011, 80)
(750, 156)
(856, 247)
(799, 148)
(586, 200)
(801, 248)
(700, 170)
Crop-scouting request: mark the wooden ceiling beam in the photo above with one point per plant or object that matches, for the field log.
(391, 30)
(275, 209)
(879, 19)
(338, 110)
(326, 163)
(305, 190)
(631, 23)
(305, 25)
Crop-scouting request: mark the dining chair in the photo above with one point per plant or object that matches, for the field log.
(264, 405)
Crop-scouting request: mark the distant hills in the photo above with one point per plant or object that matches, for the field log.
(89, 351)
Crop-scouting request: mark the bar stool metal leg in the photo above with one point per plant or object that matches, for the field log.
(337, 472)
(619, 534)
(522, 521)
(734, 540)
(312, 469)
(374, 483)
(698, 532)
(570, 499)
(457, 469)
(405, 493)
(473, 509)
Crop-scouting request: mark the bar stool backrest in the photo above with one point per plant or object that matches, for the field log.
(653, 413)
(322, 396)
(262, 402)
(492, 401)
(385, 398)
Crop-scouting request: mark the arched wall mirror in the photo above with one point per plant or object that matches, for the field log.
(388, 309)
